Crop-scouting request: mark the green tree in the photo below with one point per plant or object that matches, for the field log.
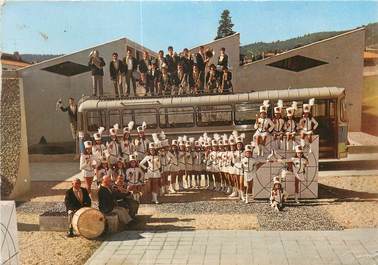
(225, 25)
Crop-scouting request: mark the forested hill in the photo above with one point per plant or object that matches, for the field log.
(279, 46)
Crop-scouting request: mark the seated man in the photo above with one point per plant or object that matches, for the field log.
(107, 203)
(76, 198)
(124, 197)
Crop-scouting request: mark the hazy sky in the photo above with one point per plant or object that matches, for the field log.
(64, 27)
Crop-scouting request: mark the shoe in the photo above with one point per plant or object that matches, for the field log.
(246, 199)
(70, 233)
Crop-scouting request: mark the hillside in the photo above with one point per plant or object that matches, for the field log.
(36, 58)
(278, 46)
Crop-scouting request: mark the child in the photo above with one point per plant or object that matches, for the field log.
(277, 196)
(135, 178)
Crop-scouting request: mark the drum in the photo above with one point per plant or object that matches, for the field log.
(140, 91)
(88, 222)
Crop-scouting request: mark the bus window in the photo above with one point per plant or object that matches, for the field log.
(332, 109)
(214, 115)
(147, 115)
(95, 120)
(114, 118)
(343, 113)
(246, 113)
(320, 108)
(127, 116)
(180, 117)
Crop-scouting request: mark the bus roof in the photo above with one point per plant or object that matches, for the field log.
(257, 97)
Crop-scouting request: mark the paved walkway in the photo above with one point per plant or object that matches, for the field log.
(230, 247)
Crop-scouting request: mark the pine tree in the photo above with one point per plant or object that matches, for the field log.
(225, 25)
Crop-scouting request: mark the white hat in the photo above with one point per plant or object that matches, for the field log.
(231, 140)
(263, 109)
(206, 144)
(174, 142)
(220, 142)
(298, 149)
(214, 142)
(306, 108)
(142, 127)
(290, 111)
(276, 180)
(152, 146)
(113, 131)
(197, 143)
(132, 157)
(87, 144)
(181, 143)
(239, 139)
(129, 127)
(248, 148)
(188, 144)
(97, 136)
(277, 110)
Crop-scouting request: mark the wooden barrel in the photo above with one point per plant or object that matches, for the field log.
(88, 222)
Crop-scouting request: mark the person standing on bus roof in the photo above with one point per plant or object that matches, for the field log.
(171, 60)
(141, 143)
(145, 63)
(153, 79)
(96, 64)
(116, 69)
(307, 124)
(131, 64)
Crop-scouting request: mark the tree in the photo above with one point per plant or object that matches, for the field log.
(225, 25)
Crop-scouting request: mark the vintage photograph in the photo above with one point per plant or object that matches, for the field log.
(189, 132)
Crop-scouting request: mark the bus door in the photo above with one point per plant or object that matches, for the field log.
(342, 130)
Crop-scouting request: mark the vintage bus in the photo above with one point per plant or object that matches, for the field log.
(194, 115)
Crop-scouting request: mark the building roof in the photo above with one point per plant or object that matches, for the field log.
(306, 46)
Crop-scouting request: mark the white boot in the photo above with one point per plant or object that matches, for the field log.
(296, 198)
(229, 190)
(246, 198)
(241, 195)
(155, 198)
(234, 193)
(171, 189)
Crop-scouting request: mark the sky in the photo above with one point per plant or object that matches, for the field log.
(64, 27)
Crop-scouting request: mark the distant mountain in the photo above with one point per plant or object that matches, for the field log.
(36, 58)
(257, 48)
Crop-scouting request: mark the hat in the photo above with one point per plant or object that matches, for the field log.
(152, 146)
(214, 142)
(133, 157)
(279, 107)
(187, 144)
(276, 180)
(306, 108)
(142, 127)
(87, 144)
(248, 148)
(97, 136)
(113, 131)
(129, 127)
(220, 142)
(290, 111)
(197, 144)
(174, 142)
(181, 143)
(265, 106)
(298, 149)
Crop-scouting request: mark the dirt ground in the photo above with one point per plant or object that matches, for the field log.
(350, 201)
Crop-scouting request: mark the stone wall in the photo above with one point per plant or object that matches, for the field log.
(13, 155)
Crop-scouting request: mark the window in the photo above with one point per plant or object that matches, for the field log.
(127, 116)
(179, 117)
(246, 113)
(96, 119)
(297, 63)
(114, 117)
(67, 68)
(147, 115)
(343, 110)
(320, 108)
(214, 115)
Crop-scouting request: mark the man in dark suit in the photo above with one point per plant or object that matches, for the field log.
(153, 78)
(131, 64)
(187, 62)
(201, 62)
(222, 58)
(72, 114)
(107, 201)
(145, 63)
(96, 64)
(116, 69)
(76, 197)
(171, 60)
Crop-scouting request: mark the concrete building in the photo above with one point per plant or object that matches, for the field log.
(336, 61)
(63, 77)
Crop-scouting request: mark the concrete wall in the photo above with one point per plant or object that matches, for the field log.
(231, 43)
(42, 90)
(344, 55)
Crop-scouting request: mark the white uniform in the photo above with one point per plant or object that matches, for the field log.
(181, 158)
(249, 168)
(189, 161)
(236, 160)
(197, 161)
(98, 151)
(174, 164)
(86, 165)
(135, 176)
(213, 158)
(290, 126)
(278, 125)
(309, 124)
(141, 147)
(165, 161)
(263, 126)
(127, 149)
(153, 166)
(113, 148)
(229, 167)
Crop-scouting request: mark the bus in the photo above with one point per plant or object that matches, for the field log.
(194, 115)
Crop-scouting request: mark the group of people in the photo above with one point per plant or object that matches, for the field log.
(170, 74)
(222, 162)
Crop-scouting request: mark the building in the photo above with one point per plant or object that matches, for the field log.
(336, 61)
(12, 61)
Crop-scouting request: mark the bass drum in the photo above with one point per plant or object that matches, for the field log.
(88, 222)
(140, 90)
